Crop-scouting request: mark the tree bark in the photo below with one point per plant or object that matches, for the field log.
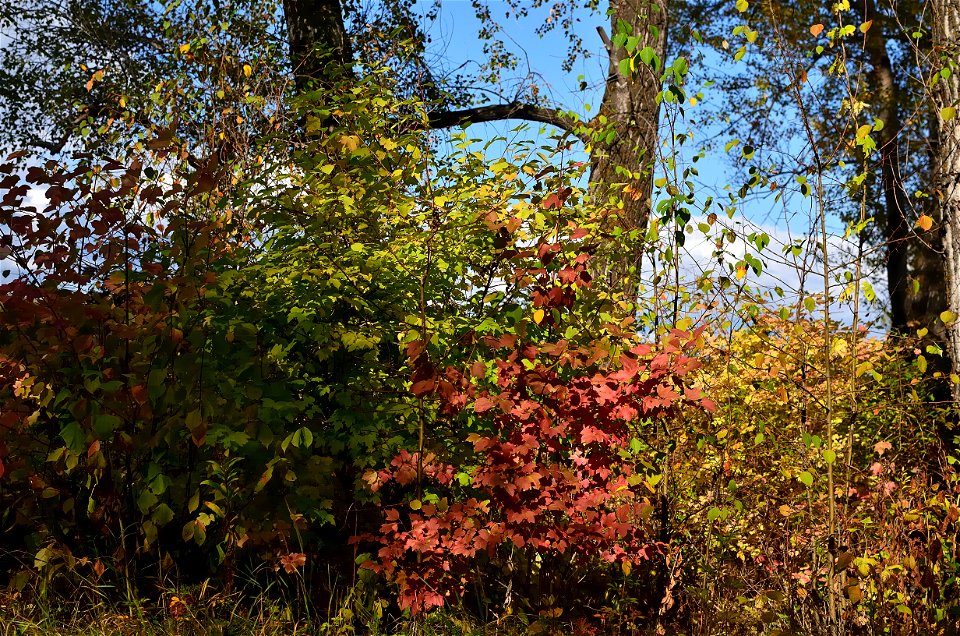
(622, 170)
(317, 36)
(946, 45)
(896, 225)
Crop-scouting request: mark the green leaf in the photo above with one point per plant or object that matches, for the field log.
(829, 456)
(713, 514)
(162, 515)
(947, 113)
(74, 437)
(806, 479)
(649, 57)
(146, 500)
(104, 425)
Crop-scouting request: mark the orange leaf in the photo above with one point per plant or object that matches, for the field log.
(925, 222)
(816, 29)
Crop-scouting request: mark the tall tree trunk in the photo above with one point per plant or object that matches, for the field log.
(896, 227)
(317, 36)
(946, 44)
(622, 170)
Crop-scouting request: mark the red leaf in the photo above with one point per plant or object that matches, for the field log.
(592, 434)
(414, 349)
(140, 394)
(423, 387)
(293, 561)
(483, 404)
(629, 368)
(552, 201)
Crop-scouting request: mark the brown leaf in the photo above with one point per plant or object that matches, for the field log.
(423, 387)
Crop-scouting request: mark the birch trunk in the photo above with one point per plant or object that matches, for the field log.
(946, 43)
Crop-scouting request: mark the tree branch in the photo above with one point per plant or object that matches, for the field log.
(513, 110)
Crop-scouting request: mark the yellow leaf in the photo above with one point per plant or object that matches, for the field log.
(416, 504)
(741, 272)
(948, 317)
(247, 70)
(816, 29)
(925, 222)
(948, 113)
(625, 566)
(538, 316)
(863, 131)
(854, 594)
(742, 5)
(838, 347)
(863, 29)
(184, 48)
(349, 142)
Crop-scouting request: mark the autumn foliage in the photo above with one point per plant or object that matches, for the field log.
(550, 422)
(335, 356)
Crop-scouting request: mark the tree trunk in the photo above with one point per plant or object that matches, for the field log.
(896, 225)
(317, 36)
(622, 171)
(946, 43)
(915, 270)
(927, 296)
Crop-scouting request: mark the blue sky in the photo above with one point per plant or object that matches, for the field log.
(456, 44)
(784, 220)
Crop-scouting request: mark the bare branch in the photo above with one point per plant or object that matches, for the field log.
(513, 110)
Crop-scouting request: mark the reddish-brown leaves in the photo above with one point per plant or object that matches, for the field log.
(549, 468)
